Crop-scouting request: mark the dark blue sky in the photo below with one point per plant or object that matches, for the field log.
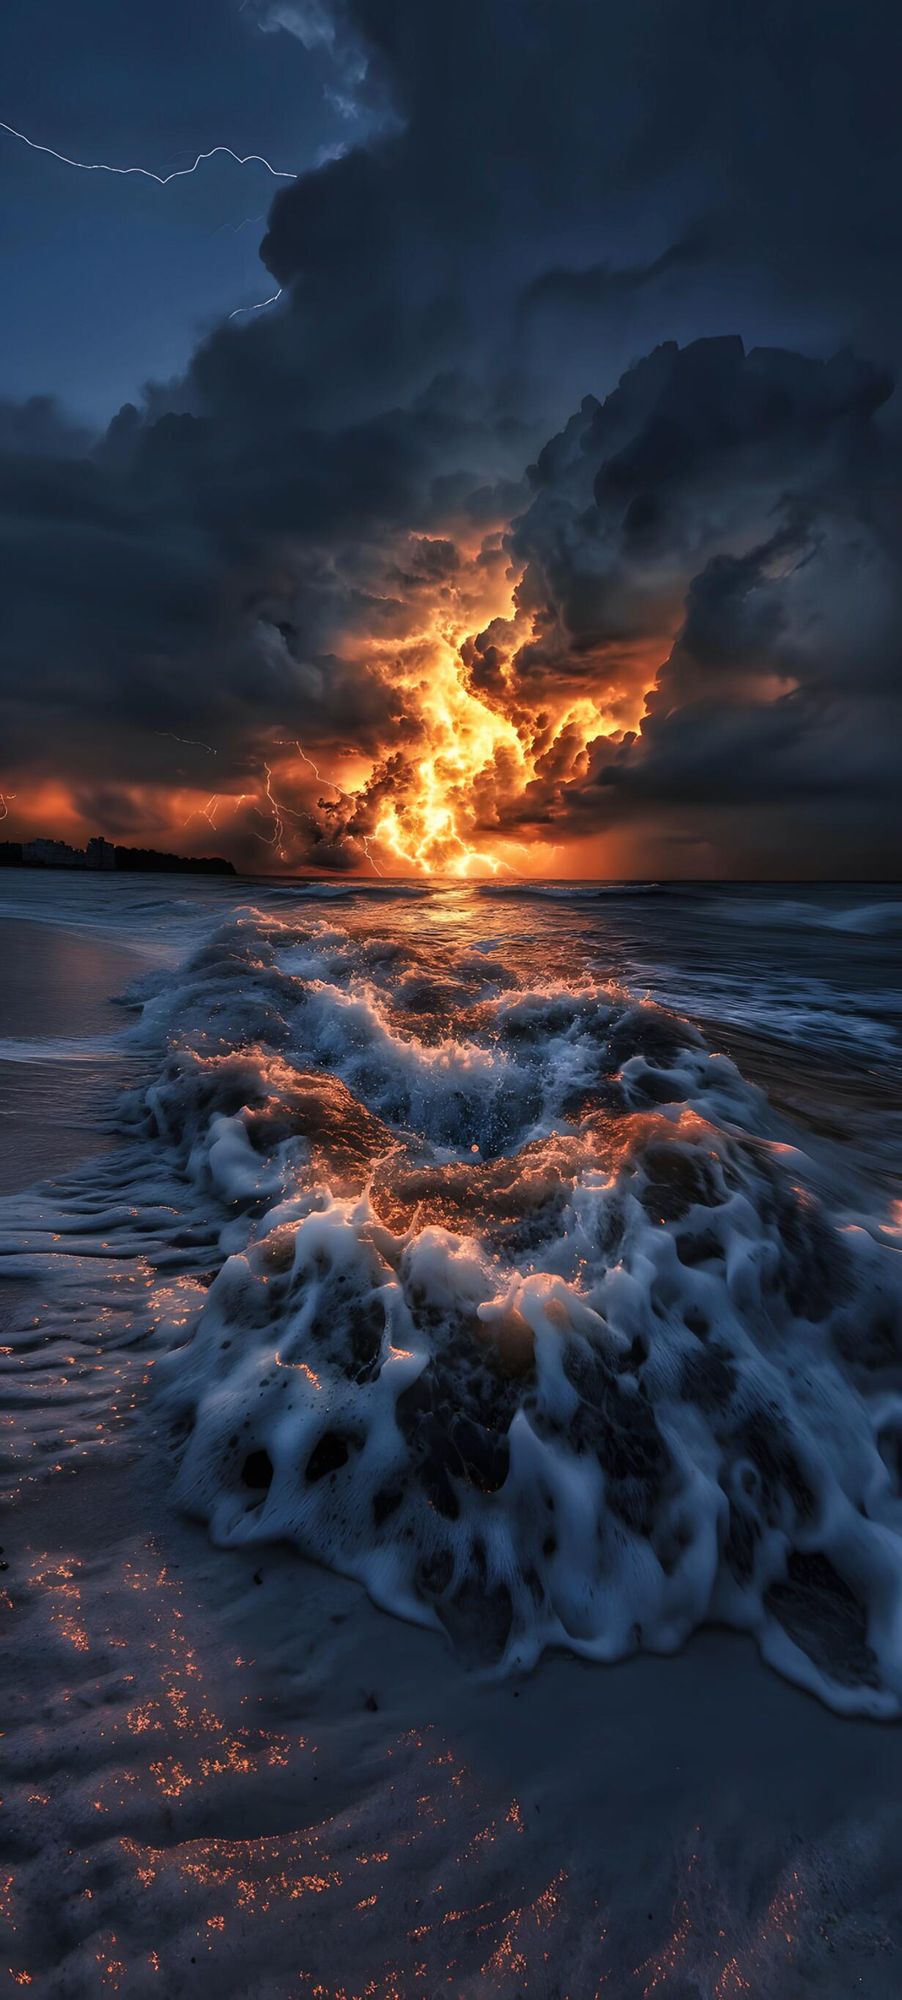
(108, 282)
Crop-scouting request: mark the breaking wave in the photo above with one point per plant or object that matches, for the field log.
(579, 892)
(870, 919)
(524, 1313)
(865, 919)
(326, 890)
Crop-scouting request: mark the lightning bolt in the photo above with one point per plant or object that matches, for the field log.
(146, 173)
(163, 180)
(209, 810)
(206, 812)
(4, 803)
(193, 742)
(279, 811)
(258, 308)
(292, 743)
(363, 838)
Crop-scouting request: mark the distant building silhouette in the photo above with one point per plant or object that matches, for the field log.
(100, 853)
(101, 856)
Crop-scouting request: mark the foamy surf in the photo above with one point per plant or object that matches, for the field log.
(518, 1307)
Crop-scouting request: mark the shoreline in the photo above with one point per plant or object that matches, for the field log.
(257, 1744)
(231, 1774)
(57, 1078)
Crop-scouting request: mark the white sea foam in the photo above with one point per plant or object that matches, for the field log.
(327, 889)
(525, 1320)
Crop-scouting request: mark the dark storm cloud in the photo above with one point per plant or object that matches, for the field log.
(598, 287)
(759, 493)
(39, 428)
(689, 456)
(627, 166)
(546, 193)
(182, 576)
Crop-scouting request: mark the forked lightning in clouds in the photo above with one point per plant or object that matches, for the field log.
(163, 180)
(146, 173)
(278, 811)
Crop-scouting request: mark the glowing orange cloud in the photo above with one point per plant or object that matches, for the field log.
(469, 762)
(467, 776)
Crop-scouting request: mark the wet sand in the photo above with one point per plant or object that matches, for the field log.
(235, 1776)
(55, 1009)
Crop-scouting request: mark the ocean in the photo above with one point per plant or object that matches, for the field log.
(422, 1299)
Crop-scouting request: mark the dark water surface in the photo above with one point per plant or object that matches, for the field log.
(58, 1022)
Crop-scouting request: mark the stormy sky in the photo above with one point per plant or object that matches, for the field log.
(550, 518)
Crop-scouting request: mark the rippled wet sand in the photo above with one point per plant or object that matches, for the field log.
(234, 1776)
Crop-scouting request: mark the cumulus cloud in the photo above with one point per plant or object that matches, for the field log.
(751, 501)
(704, 555)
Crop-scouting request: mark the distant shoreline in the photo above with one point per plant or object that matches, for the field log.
(103, 857)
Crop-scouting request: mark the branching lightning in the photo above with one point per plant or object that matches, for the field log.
(363, 838)
(163, 180)
(146, 173)
(279, 811)
(206, 812)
